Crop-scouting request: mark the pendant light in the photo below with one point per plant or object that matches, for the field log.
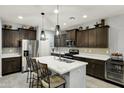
(42, 36)
(57, 28)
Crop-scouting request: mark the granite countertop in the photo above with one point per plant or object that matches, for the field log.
(93, 56)
(10, 55)
(58, 66)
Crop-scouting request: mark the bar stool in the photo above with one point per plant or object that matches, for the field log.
(44, 79)
(29, 70)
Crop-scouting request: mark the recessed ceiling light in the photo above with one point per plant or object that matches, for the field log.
(84, 16)
(64, 24)
(20, 17)
(56, 11)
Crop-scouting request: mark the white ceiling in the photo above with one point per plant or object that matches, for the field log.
(31, 14)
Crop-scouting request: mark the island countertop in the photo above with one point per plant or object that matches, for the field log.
(58, 66)
(93, 56)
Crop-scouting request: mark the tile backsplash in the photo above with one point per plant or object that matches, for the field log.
(11, 50)
(87, 50)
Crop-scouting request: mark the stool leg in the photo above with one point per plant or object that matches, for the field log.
(30, 79)
(63, 85)
(27, 76)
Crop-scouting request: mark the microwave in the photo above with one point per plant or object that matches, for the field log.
(70, 43)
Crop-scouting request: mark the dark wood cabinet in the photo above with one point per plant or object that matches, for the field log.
(71, 34)
(27, 34)
(96, 68)
(11, 65)
(92, 38)
(10, 38)
(82, 38)
(102, 37)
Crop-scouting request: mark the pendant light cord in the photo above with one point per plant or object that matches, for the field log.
(58, 15)
(42, 21)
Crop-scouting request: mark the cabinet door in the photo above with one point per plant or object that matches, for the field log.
(11, 65)
(96, 68)
(15, 38)
(92, 38)
(82, 38)
(27, 34)
(89, 69)
(32, 35)
(6, 39)
(24, 34)
(71, 35)
(102, 37)
(10, 38)
(99, 70)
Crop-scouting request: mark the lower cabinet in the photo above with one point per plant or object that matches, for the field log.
(96, 68)
(11, 65)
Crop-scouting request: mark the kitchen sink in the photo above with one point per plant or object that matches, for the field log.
(66, 60)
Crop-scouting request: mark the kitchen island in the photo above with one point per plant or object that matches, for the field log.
(73, 71)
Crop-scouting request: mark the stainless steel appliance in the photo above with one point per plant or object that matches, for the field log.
(71, 53)
(29, 48)
(70, 43)
(115, 71)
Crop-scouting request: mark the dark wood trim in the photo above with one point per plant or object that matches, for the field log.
(26, 29)
(9, 29)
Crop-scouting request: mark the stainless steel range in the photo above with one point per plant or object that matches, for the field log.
(71, 53)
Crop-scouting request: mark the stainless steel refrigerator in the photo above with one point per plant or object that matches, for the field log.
(29, 48)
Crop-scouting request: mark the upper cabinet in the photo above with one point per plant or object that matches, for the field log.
(71, 34)
(89, 38)
(102, 37)
(27, 34)
(82, 38)
(93, 38)
(12, 38)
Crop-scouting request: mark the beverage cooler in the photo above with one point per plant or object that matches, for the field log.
(115, 71)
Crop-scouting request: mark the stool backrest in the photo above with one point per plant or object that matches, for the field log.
(29, 64)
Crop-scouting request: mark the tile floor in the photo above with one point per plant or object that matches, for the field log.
(18, 80)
